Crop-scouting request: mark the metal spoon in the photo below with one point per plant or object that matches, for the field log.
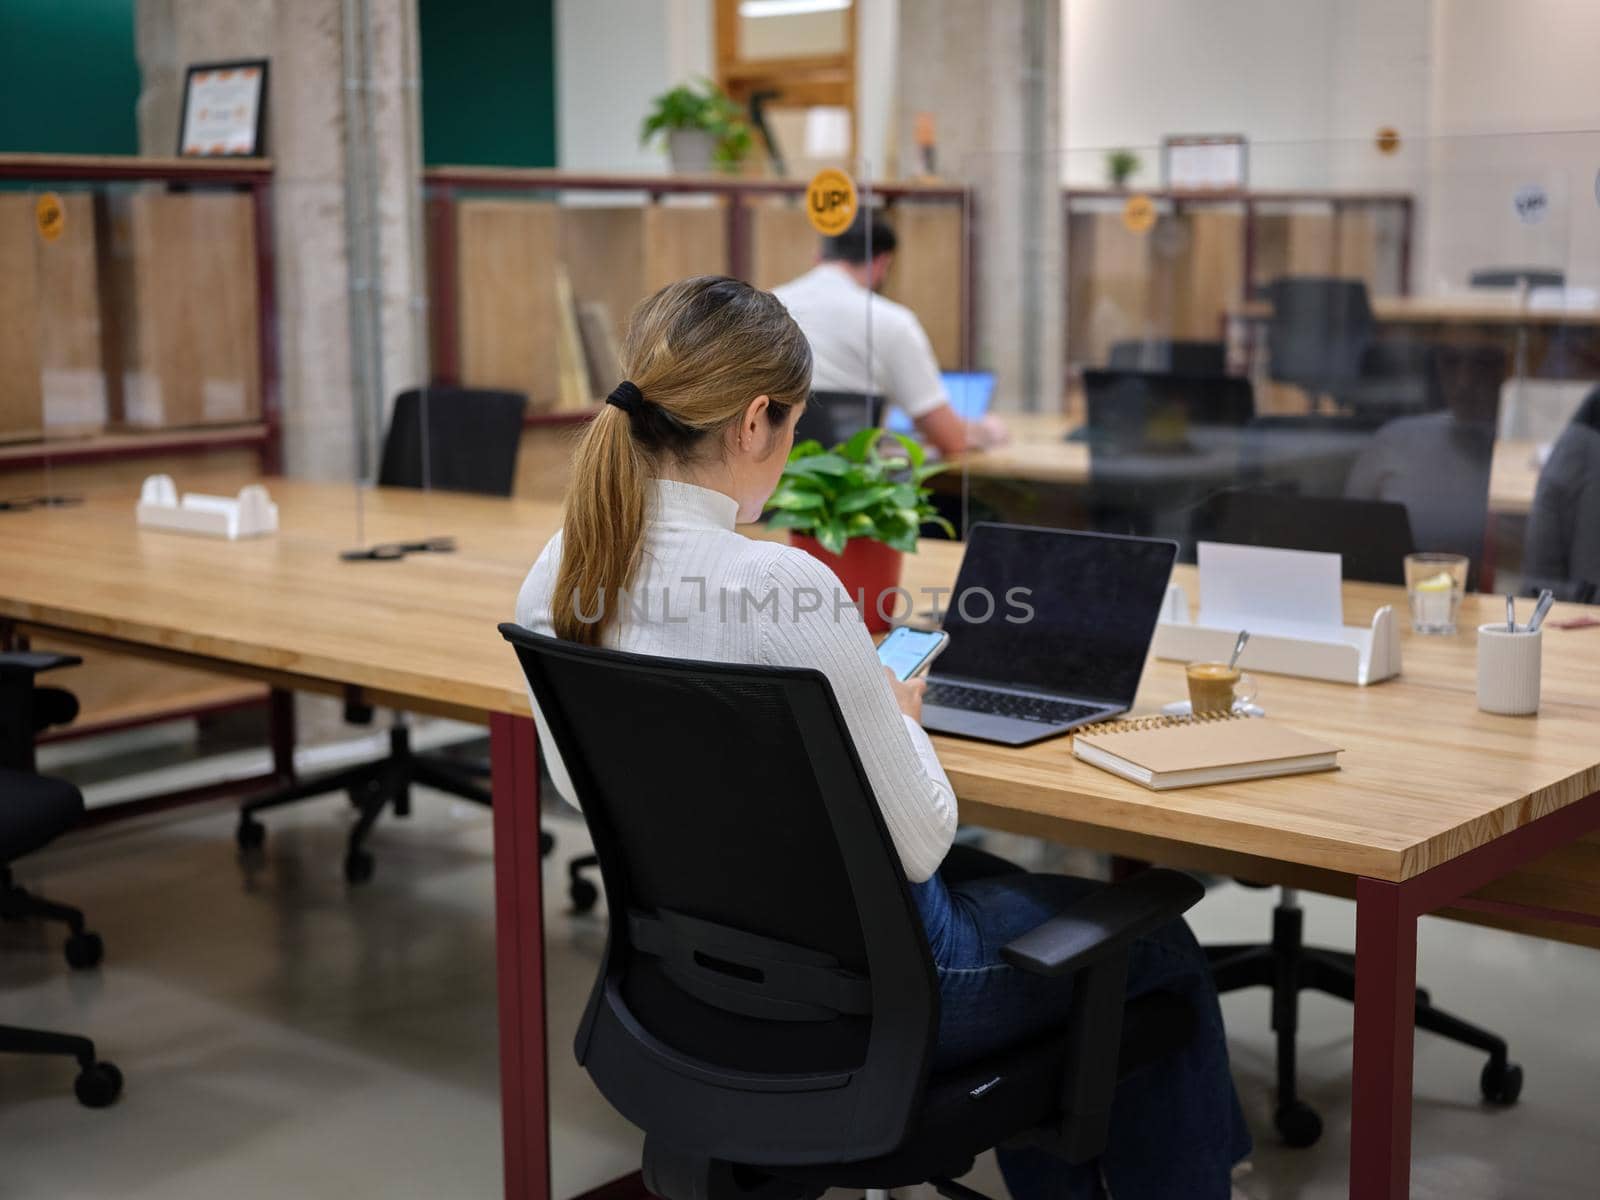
(1238, 647)
(1511, 614)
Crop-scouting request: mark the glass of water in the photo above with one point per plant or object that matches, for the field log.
(1434, 585)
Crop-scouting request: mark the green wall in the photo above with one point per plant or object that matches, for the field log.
(69, 77)
(488, 82)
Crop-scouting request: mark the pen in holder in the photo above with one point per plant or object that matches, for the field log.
(1508, 669)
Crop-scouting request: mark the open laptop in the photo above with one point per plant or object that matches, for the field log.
(1076, 658)
(1154, 412)
(970, 392)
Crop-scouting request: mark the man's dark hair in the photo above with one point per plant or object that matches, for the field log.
(851, 245)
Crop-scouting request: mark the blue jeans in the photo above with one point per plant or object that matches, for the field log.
(1176, 1126)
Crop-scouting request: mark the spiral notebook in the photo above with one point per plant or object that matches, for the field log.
(1177, 752)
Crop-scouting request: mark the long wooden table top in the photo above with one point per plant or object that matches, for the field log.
(1495, 308)
(1425, 775)
(1037, 453)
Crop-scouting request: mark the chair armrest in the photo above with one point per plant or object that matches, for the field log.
(1104, 923)
(32, 662)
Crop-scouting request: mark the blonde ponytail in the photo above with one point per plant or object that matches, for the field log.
(697, 352)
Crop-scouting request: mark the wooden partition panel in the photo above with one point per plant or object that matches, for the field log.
(926, 275)
(507, 296)
(52, 377)
(179, 306)
(782, 243)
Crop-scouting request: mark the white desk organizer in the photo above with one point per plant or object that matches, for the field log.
(251, 514)
(1292, 607)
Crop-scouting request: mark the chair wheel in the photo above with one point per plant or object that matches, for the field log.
(1298, 1124)
(98, 1085)
(250, 834)
(357, 866)
(1501, 1083)
(547, 843)
(84, 950)
(583, 894)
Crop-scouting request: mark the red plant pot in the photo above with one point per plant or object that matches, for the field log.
(869, 570)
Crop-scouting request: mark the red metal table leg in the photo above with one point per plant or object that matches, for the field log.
(519, 952)
(1386, 982)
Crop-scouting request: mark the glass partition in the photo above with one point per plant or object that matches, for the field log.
(1367, 349)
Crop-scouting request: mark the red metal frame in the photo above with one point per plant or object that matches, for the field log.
(519, 953)
(1386, 980)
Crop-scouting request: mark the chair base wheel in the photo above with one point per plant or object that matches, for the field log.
(1298, 1124)
(358, 866)
(251, 834)
(84, 950)
(584, 895)
(547, 843)
(98, 1085)
(1501, 1083)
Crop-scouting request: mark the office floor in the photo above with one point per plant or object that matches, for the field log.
(283, 1035)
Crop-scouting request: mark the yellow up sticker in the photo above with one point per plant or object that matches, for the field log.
(831, 202)
(50, 215)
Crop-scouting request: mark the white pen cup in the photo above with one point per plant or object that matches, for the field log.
(1508, 670)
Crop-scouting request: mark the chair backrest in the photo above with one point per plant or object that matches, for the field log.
(1164, 354)
(767, 994)
(1374, 536)
(1562, 546)
(834, 417)
(1319, 331)
(1157, 411)
(454, 439)
(1510, 277)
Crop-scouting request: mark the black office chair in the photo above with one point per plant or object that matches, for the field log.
(450, 439)
(1372, 537)
(834, 417)
(1322, 337)
(34, 811)
(1185, 357)
(767, 1006)
(1510, 277)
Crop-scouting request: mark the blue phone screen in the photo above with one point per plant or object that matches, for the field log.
(904, 649)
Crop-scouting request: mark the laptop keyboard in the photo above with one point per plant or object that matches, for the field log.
(1006, 704)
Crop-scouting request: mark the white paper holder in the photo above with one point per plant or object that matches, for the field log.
(250, 514)
(1342, 654)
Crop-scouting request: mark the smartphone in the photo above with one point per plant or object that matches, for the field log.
(909, 652)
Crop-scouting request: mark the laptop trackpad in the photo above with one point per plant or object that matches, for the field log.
(1010, 731)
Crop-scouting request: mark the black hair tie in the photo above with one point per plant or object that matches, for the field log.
(627, 396)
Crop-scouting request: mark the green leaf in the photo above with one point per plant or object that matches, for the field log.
(929, 471)
(817, 464)
(802, 521)
(857, 501)
(936, 519)
(914, 450)
(832, 537)
(861, 525)
(857, 447)
(794, 498)
(905, 542)
(805, 449)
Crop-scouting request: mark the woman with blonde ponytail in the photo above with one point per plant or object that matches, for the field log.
(649, 560)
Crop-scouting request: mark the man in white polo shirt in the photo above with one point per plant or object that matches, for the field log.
(893, 357)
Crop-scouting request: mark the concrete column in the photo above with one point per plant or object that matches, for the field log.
(990, 75)
(308, 107)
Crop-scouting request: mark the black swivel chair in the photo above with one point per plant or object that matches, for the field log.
(767, 1006)
(451, 439)
(1322, 337)
(34, 811)
(834, 417)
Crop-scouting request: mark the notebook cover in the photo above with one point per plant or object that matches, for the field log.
(1208, 745)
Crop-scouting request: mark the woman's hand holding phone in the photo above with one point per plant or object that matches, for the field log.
(907, 694)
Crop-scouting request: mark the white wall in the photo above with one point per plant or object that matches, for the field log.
(613, 57)
(1295, 77)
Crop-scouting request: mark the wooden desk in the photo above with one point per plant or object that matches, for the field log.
(1435, 800)
(1037, 453)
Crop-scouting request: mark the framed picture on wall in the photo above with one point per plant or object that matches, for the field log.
(224, 109)
(1210, 162)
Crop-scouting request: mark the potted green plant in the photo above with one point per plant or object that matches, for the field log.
(1121, 166)
(857, 511)
(702, 127)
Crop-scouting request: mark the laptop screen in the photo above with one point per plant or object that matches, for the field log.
(970, 393)
(1094, 597)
